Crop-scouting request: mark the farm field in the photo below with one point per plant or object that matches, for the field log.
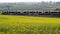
(10, 24)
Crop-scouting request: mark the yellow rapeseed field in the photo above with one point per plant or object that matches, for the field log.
(10, 24)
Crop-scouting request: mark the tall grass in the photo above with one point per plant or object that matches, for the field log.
(29, 25)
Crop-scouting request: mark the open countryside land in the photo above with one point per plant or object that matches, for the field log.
(10, 24)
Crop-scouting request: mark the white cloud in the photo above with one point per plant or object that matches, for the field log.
(26, 0)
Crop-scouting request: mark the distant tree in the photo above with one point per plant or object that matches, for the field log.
(57, 9)
(8, 7)
(42, 2)
(57, 2)
(50, 2)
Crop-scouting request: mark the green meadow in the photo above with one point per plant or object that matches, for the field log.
(10, 24)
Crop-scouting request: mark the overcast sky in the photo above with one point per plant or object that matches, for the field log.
(27, 0)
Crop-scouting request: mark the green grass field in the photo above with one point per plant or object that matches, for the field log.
(29, 25)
